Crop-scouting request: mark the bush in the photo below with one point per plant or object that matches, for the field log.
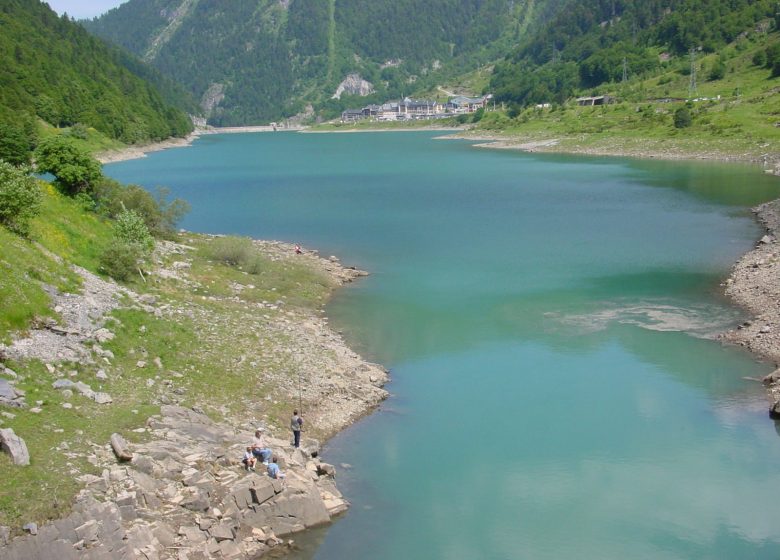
(131, 229)
(718, 71)
(121, 260)
(132, 244)
(20, 198)
(231, 250)
(159, 215)
(759, 59)
(682, 118)
(74, 169)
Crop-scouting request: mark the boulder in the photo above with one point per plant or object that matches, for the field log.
(774, 410)
(14, 445)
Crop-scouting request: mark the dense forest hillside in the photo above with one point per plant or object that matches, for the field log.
(588, 44)
(52, 69)
(254, 61)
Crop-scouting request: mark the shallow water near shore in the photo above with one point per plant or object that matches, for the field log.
(549, 324)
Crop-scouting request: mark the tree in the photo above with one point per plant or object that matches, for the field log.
(718, 71)
(14, 144)
(20, 198)
(682, 118)
(74, 169)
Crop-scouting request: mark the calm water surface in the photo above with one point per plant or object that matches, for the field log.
(548, 321)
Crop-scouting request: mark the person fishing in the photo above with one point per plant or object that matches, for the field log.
(296, 425)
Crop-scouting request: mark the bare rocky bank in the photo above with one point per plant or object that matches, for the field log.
(182, 493)
(754, 284)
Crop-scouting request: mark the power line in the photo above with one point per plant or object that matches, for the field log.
(692, 85)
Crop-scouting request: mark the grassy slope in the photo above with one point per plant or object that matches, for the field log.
(740, 125)
(214, 335)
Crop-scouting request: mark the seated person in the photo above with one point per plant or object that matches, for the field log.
(249, 459)
(258, 447)
(273, 469)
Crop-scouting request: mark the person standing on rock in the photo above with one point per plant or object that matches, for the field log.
(296, 425)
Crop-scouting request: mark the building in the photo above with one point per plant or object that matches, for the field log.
(463, 104)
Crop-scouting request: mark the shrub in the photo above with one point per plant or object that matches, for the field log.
(759, 59)
(132, 244)
(160, 215)
(121, 260)
(74, 169)
(682, 118)
(131, 229)
(231, 250)
(718, 71)
(20, 198)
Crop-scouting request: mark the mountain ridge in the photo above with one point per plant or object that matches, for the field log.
(274, 58)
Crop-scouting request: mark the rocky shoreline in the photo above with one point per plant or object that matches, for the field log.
(650, 149)
(138, 152)
(183, 493)
(754, 284)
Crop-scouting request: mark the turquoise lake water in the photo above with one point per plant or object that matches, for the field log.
(548, 322)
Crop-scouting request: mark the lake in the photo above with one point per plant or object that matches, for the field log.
(549, 324)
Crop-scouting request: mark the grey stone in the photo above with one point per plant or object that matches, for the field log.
(101, 375)
(63, 384)
(324, 469)
(126, 499)
(14, 445)
(197, 501)
(192, 535)
(230, 550)
(772, 378)
(31, 528)
(311, 447)
(102, 398)
(88, 532)
(222, 531)
(7, 390)
(165, 535)
(774, 410)
(143, 463)
(5, 535)
(263, 490)
(128, 513)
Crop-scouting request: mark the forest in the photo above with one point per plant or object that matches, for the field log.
(52, 69)
(273, 58)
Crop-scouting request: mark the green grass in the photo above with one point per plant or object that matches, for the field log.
(87, 138)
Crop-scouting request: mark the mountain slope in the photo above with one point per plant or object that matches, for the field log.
(255, 61)
(52, 69)
(587, 44)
